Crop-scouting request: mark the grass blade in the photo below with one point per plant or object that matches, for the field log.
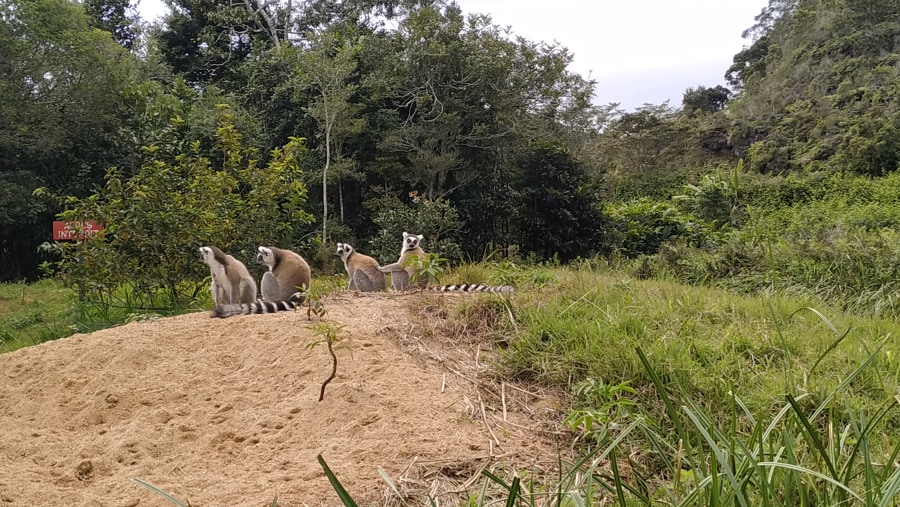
(689, 499)
(617, 479)
(849, 378)
(746, 410)
(813, 436)
(889, 489)
(387, 479)
(831, 347)
(497, 480)
(807, 471)
(513, 493)
(576, 499)
(159, 492)
(670, 407)
(336, 484)
(822, 317)
(720, 457)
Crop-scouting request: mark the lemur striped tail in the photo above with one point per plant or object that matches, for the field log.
(475, 287)
(259, 306)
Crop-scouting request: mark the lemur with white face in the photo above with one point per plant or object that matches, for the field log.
(284, 286)
(403, 270)
(231, 282)
(362, 270)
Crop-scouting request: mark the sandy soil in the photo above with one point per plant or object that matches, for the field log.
(226, 413)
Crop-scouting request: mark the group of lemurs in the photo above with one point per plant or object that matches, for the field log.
(285, 285)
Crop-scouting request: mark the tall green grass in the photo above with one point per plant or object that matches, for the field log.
(708, 340)
(737, 400)
(35, 313)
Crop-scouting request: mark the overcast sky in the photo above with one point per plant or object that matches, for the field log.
(638, 50)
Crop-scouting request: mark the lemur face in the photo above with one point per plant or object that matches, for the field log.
(265, 256)
(411, 241)
(343, 251)
(206, 255)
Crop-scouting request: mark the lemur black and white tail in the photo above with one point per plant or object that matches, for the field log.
(475, 287)
(259, 306)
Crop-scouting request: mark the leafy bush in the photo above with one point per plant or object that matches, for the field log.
(641, 226)
(156, 220)
(715, 198)
(556, 215)
(436, 220)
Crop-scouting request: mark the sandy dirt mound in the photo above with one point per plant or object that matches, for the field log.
(226, 413)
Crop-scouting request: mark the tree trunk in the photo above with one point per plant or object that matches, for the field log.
(325, 181)
(341, 199)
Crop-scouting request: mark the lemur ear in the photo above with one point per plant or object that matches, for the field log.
(405, 234)
(421, 237)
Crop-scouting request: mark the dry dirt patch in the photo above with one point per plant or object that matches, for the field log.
(225, 413)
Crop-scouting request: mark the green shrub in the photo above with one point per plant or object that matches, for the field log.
(641, 226)
(157, 219)
(436, 220)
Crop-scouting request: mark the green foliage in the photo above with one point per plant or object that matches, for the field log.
(31, 314)
(35, 313)
(653, 140)
(819, 88)
(831, 237)
(205, 41)
(711, 445)
(114, 16)
(598, 405)
(556, 213)
(59, 128)
(715, 198)
(641, 226)
(701, 336)
(704, 99)
(436, 220)
(156, 220)
(325, 66)
(430, 268)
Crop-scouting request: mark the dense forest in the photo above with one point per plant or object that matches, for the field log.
(304, 123)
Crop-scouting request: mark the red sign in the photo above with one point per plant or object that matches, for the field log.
(71, 231)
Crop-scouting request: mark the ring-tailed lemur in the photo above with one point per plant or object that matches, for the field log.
(231, 282)
(288, 274)
(403, 270)
(361, 269)
(284, 286)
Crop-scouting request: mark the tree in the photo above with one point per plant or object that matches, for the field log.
(820, 92)
(557, 206)
(114, 16)
(206, 41)
(61, 105)
(704, 99)
(326, 66)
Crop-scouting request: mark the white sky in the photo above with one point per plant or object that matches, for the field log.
(638, 50)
